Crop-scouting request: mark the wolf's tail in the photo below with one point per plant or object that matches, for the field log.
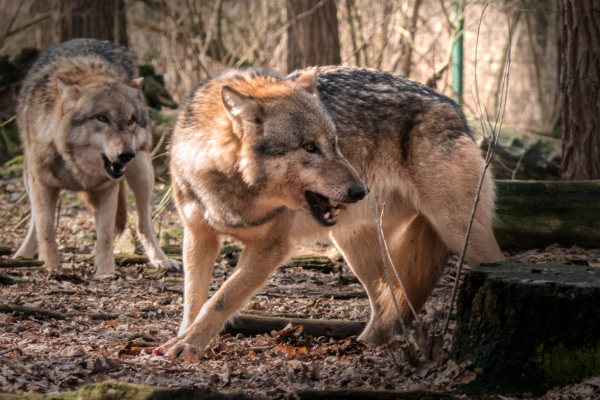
(418, 256)
(121, 218)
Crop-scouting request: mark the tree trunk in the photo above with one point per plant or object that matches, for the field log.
(580, 89)
(93, 19)
(313, 37)
(412, 29)
(528, 327)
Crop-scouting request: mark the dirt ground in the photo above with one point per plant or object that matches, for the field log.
(89, 346)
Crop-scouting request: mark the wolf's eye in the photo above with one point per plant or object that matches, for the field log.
(102, 118)
(311, 148)
(131, 121)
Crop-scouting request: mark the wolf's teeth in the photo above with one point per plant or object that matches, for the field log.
(335, 212)
(326, 216)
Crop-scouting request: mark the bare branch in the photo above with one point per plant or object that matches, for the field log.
(493, 136)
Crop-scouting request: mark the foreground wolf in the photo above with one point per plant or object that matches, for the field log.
(256, 156)
(83, 126)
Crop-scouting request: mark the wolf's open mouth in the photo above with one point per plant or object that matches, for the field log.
(113, 169)
(322, 209)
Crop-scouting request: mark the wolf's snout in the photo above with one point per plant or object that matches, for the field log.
(357, 191)
(126, 155)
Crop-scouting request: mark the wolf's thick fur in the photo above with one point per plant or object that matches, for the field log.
(244, 164)
(83, 125)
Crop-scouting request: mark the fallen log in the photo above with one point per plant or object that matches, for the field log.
(528, 327)
(110, 390)
(20, 262)
(251, 325)
(6, 280)
(354, 394)
(538, 214)
(5, 250)
(34, 311)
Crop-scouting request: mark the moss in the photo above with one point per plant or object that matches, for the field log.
(109, 390)
(562, 365)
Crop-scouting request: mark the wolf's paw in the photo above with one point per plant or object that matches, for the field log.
(53, 268)
(167, 265)
(184, 351)
(105, 271)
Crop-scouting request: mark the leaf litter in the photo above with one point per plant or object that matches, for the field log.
(114, 327)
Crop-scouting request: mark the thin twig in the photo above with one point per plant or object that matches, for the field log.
(12, 21)
(22, 221)
(493, 136)
(385, 265)
(187, 39)
(14, 205)
(8, 351)
(164, 202)
(160, 142)
(11, 119)
(514, 173)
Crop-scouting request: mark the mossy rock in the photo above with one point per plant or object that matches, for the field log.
(528, 327)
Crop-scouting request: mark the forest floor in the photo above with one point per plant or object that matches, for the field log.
(62, 355)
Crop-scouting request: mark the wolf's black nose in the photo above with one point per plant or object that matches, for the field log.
(126, 155)
(357, 191)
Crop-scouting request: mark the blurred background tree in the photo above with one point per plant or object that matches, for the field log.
(180, 42)
(103, 20)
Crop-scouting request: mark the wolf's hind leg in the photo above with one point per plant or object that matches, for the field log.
(360, 246)
(362, 252)
(140, 177)
(418, 255)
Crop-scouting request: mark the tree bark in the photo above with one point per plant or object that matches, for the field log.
(313, 37)
(412, 29)
(580, 89)
(93, 19)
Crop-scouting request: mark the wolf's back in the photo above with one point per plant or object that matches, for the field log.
(118, 57)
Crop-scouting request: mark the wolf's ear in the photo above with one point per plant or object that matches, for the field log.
(241, 107)
(308, 81)
(69, 91)
(137, 83)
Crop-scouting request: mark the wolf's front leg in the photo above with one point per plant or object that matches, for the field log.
(43, 206)
(140, 178)
(257, 261)
(30, 245)
(201, 246)
(104, 204)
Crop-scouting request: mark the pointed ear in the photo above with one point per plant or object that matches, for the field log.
(241, 107)
(69, 91)
(137, 83)
(308, 81)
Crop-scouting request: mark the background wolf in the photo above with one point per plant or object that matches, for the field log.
(83, 125)
(257, 156)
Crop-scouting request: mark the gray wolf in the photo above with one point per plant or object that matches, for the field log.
(268, 159)
(83, 126)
